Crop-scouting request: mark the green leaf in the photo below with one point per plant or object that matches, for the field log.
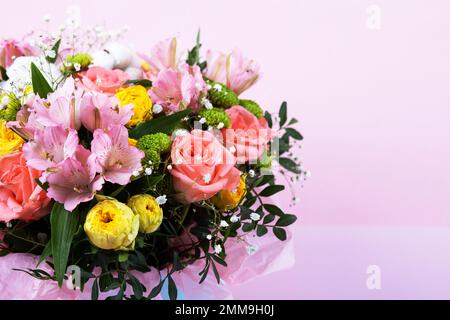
(3, 74)
(194, 54)
(273, 209)
(64, 224)
(265, 180)
(293, 121)
(280, 233)
(261, 230)
(144, 82)
(173, 291)
(123, 257)
(156, 290)
(219, 260)
(286, 220)
(271, 190)
(40, 84)
(44, 186)
(250, 202)
(269, 120)
(294, 134)
(216, 272)
(268, 219)
(289, 165)
(163, 124)
(55, 49)
(247, 227)
(138, 287)
(283, 114)
(45, 253)
(94, 293)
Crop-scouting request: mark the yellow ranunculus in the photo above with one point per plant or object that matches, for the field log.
(112, 225)
(150, 213)
(227, 200)
(137, 96)
(9, 141)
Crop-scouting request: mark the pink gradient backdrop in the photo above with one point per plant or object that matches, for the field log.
(373, 106)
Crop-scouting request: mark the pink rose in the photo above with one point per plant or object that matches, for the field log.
(248, 134)
(104, 80)
(20, 196)
(202, 167)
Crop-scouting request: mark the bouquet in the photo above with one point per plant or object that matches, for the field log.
(115, 164)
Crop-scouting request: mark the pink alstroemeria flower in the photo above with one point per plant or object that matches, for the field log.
(236, 71)
(12, 48)
(76, 181)
(99, 111)
(49, 147)
(60, 108)
(117, 159)
(176, 90)
(163, 56)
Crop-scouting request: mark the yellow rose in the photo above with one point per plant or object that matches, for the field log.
(150, 213)
(112, 225)
(227, 200)
(138, 97)
(9, 141)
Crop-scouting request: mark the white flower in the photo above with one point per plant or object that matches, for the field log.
(224, 224)
(206, 103)
(218, 249)
(123, 56)
(234, 219)
(136, 173)
(169, 167)
(157, 108)
(208, 86)
(251, 173)
(207, 178)
(209, 237)
(218, 87)
(5, 101)
(77, 66)
(50, 54)
(103, 59)
(220, 125)
(255, 216)
(202, 121)
(150, 162)
(148, 171)
(252, 249)
(161, 200)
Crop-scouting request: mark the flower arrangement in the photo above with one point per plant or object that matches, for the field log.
(117, 163)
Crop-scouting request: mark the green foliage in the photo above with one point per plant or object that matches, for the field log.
(40, 84)
(143, 82)
(215, 116)
(64, 224)
(55, 49)
(164, 124)
(194, 54)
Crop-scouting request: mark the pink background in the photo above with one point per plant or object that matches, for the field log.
(373, 106)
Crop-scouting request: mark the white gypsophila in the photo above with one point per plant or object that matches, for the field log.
(224, 224)
(161, 200)
(234, 219)
(209, 237)
(157, 108)
(218, 249)
(255, 216)
(19, 73)
(252, 249)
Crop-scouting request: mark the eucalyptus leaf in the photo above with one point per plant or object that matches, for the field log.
(283, 114)
(294, 134)
(280, 233)
(286, 220)
(271, 190)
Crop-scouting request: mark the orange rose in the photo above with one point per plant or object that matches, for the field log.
(20, 196)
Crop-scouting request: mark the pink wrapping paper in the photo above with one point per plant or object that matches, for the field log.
(271, 256)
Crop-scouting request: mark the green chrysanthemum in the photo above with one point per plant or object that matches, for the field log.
(9, 111)
(152, 158)
(220, 96)
(83, 60)
(158, 142)
(215, 116)
(253, 107)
